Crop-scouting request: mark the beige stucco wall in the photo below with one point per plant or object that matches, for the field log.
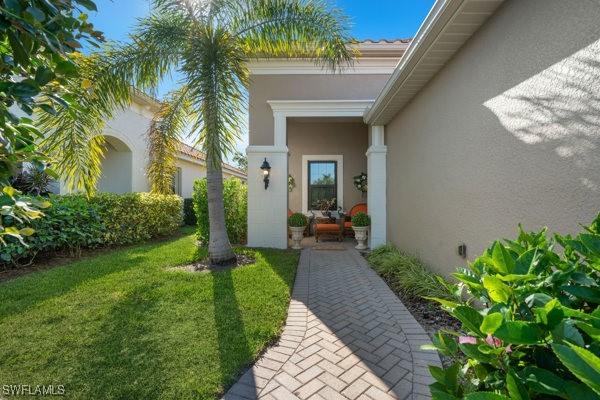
(303, 87)
(348, 139)
(508, 132)
(190, 172)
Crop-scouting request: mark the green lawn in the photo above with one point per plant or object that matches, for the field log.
(122, 325)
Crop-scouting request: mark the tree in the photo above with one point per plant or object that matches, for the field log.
(36, 37)
(241, 160)
(209, 42)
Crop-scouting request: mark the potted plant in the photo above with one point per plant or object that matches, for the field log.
(297, 223)
(360, 225)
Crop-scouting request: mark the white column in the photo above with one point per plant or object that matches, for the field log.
(377, 186)
(280, 129)
(267, 208)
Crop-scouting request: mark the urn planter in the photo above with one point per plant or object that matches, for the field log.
(297, 236)
(360, 233)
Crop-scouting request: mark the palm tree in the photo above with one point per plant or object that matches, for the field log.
(209, 42)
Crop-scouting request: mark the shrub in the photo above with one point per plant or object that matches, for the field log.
(75, 222)
(406, 275)
(360, 219)
(537, 332)
(189, 215)
(235, 197)
(135, 217)
(297, 220)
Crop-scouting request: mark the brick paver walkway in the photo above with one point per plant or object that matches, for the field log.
(347, 336)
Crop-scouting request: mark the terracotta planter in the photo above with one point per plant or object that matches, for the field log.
(297, 236)
(360, 233)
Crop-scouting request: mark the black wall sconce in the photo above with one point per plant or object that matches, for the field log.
(266, 169)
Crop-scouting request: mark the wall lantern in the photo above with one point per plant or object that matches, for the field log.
(266, 169)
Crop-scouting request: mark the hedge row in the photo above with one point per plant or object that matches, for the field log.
(75, 222)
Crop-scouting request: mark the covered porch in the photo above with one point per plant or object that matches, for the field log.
(319, 147)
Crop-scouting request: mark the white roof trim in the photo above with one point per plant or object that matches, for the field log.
(449, 24)
(372, 65)
(320, 108)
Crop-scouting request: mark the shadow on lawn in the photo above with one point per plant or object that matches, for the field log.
(122, 348)
(234, 348)
(28, 291)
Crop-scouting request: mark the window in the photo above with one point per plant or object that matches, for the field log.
(177, 182)
(322, 182)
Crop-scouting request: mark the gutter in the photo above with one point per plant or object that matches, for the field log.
(439, 15)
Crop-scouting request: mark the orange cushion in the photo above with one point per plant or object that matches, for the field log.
(362, 207)
(348, 224)
(328, 227)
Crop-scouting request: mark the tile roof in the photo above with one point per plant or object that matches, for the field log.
(198, 155)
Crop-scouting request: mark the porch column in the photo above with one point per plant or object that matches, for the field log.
(267, 208)
(377, 186)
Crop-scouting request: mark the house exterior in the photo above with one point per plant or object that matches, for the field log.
(488, 118)
(126, 154)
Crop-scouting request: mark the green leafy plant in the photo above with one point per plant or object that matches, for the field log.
(235, 197)
(407, 275)
(297, 220)
(76, 222)
(361, 182)
(531, 320)
(360, 219)
(37, 38)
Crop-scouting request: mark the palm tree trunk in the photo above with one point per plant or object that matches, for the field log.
(219, 248)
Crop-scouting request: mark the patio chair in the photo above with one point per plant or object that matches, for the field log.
(328, 227)
(361, 207)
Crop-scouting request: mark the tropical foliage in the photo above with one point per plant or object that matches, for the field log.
(36, 38)
(407, 275)
(77, 222)
(531, 319)
(209, 43)
(235, 199)
(361, 182)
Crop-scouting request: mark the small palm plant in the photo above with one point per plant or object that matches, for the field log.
(209, 42)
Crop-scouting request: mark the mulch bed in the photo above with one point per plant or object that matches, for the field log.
(432, 318)
(204, 265)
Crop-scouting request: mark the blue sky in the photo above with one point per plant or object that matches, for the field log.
(373, 19)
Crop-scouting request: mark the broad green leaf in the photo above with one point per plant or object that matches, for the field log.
(446, 303)
(497, 290)
(502, 259)
(584, 292)
(593, 332)
(491, 322)
(518, 332)
(543, 381)
(515, 277)
(438, 374)
(26, 231)
(591, 241)
(452, 377)
(485, 396)
(525, 262)
(470, 318)
(566, 331)
(472, 351)
(537, 299)
(581, 362)
(516, 389)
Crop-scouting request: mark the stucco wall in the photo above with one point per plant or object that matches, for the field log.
(507, 132)
(348, 139)
(303, 87)
(190, 172)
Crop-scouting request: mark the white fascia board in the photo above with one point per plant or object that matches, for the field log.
(320, 108)
(373, 65)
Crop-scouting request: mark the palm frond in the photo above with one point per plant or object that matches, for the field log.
(104, 85)
(294, 29)
(216, 72)
(166, 129)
